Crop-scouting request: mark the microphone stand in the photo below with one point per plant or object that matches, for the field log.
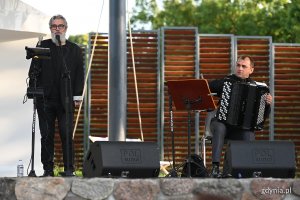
(32, 171)
(67, 85)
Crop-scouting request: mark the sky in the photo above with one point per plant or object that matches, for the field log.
(82, 16)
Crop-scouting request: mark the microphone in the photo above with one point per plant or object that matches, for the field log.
(40, 40)
(57, 37)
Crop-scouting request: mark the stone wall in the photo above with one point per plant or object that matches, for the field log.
(147, 189)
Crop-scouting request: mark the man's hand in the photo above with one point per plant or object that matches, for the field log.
(77, 103)
(269, 99)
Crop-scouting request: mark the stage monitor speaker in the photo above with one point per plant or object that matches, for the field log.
(122, 159)
(260, 159)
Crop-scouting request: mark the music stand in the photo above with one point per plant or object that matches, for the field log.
(34, 91)
(192, 94)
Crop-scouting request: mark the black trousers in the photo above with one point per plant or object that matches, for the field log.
(48, 111)
(220, 131)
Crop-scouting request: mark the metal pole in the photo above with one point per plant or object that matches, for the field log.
(117, 71)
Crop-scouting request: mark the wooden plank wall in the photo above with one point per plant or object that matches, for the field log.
(179, 54)
(287, 94)
(145, 49)
(146, 57)
(98, 86)
(179, 60)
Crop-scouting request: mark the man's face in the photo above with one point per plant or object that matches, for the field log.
(243, 69)
(58, 27)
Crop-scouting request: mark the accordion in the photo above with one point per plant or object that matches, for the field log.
(243, 105)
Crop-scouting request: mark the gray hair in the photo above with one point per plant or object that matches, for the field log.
(58, 17)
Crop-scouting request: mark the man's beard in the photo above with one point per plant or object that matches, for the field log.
(62, 38)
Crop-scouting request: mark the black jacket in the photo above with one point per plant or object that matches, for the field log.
(216, 86)
(51, 72)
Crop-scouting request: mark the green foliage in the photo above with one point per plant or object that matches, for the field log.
(144, 12)
(277, 18)
(57, 170)
(79, 39)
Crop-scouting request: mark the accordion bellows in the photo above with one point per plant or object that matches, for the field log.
(243, 105)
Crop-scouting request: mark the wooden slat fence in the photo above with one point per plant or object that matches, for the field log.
(181, 53)
(179, 59)
(146, 57)
(287, 94)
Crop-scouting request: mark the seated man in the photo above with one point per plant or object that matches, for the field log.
(244, 68)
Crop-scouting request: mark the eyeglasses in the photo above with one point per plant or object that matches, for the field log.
(59, 26)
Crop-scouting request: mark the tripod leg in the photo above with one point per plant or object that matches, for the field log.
(189, 142)
(173, 172)
(32, 171)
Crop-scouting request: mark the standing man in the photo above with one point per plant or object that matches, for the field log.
(244, 68)
(62, 78)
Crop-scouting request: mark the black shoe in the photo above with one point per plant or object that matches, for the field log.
(227, 176)
(48, 173)
(215, 172)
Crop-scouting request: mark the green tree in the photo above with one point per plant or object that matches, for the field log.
(277, 18)
(79, 39)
